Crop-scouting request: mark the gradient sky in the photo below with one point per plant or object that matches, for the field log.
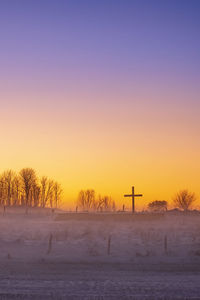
(102, 94)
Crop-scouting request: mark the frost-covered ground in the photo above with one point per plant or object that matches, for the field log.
(81, 256)
(96, 281)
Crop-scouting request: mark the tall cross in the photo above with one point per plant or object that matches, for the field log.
(133, 195)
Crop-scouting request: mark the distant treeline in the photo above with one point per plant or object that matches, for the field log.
(26, 189)
(88, 201)
(183, 200)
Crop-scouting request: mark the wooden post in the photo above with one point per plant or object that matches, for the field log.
(165, 244)
(50, 244)
(109, 244)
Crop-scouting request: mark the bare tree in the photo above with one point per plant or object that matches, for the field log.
(28, 178)
(43, 182)
(8, 178)
(47, 189)
(86, 199)
(2, 191)
(16, 190)
(105, 203)
(57, 191)
(184, 199)
(90, 198)
(35, 195)
(49, 192)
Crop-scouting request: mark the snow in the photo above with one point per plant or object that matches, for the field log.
(77, 238)
(86, 281)
(49, 256)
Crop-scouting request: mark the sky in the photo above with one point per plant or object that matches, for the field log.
(102, 95)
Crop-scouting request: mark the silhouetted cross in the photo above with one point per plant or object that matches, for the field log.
(133, 195)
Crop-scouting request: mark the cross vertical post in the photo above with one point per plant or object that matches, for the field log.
(133, 199)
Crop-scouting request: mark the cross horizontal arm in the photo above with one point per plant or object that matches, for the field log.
(137, 195)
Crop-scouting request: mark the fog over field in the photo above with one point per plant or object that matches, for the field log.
(56, 255)
(101, 237)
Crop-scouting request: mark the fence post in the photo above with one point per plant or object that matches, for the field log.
(109, 245)
(165, 244)
(50, 244)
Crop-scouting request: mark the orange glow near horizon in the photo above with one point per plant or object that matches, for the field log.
(107, 148)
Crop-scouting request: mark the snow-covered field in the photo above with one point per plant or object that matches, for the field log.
(81, 256)
(95, 281)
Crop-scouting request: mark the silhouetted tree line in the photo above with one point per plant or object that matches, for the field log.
(182, 200)
(87, 201)
(26, 189)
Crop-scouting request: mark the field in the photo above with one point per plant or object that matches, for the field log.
(99, 256)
